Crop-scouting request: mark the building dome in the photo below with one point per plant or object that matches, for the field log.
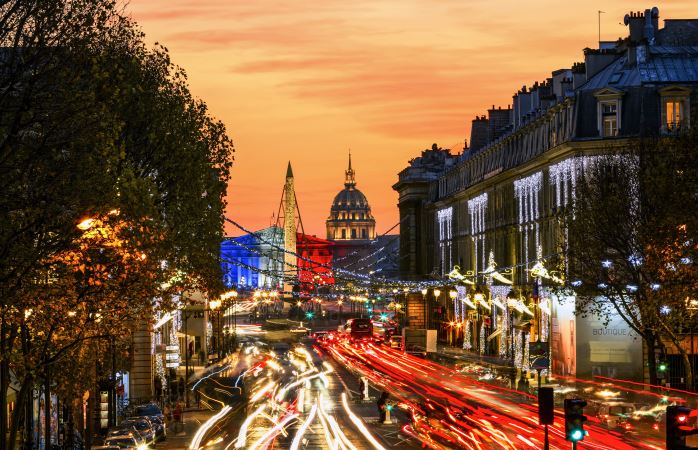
(350, 198)
(350, 215)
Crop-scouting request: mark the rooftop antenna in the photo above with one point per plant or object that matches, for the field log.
(600, 12)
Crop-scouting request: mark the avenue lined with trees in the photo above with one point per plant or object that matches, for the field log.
(113, 178)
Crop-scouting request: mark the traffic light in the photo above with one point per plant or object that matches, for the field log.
(677, 427)
(546, 406)
(574, 419)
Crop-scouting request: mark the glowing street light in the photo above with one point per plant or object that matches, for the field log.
(86, 224)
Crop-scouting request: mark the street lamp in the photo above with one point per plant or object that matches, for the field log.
(234, 295)
(453, 294)
(86, 224)
(215, 305)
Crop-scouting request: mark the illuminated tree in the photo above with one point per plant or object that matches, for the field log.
(631, 236)
(92, 121)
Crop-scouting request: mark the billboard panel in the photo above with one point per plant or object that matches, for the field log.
(607, 346)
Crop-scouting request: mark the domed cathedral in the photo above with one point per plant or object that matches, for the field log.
(350, 215)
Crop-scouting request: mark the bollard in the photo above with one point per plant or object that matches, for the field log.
(387, 420)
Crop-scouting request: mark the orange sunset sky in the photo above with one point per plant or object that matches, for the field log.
(305, 80)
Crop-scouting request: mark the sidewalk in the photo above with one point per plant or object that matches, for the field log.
(179, 438)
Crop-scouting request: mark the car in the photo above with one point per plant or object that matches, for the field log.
(615, 414)
(320, 335)
(144, 426)
(125, 441)
(359, 330)
(395, 342)
(154, 413)
(124, 429)
(415, 350)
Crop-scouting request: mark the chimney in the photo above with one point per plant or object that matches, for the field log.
(596, 60)
(643, 26)
(635, 21)
(478, 133)
(651, 17)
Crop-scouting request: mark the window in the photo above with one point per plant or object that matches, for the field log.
(609, 114)
(353, 233)
(344, 233)
(673, 110)
(363, 233)
(608, 108)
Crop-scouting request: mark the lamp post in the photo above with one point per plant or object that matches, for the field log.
(426, 307)
(479, 299)
(214, 305)
(235, 320)
(512, 297)
(437, 294)
(453, 294)
(228, 295)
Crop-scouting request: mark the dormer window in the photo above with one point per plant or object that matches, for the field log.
(675, 109)
(609, 119)
(608, 111)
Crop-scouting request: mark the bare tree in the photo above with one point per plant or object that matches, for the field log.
(631, 234)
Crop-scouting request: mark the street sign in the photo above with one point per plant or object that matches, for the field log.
(540, 363)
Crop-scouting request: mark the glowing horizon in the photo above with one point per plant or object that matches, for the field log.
(305, 81)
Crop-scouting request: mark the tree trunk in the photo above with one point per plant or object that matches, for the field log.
(688, 369)
(70, 436)
(23, 401)
(4, 386)
(90, 425)
(47, 409)
(651, 342)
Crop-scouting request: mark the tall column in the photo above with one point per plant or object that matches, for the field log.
(290, 260)
(141, 377)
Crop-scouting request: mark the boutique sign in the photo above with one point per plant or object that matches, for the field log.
(607, 346)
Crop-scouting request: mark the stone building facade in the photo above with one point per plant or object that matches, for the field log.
(497, 202)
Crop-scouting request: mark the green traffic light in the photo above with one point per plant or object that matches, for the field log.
(662, 367)
(309, 315)
(576, 435)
